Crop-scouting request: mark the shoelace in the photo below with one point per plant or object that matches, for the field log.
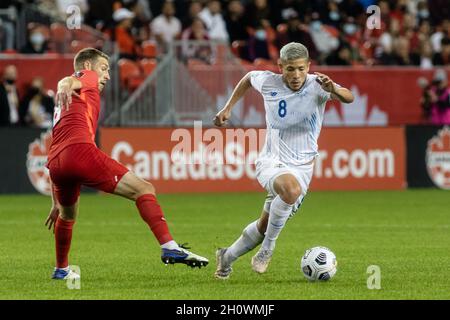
(184, 245)
(264, 254)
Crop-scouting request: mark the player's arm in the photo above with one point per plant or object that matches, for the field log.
(223, 115)
(338, 93)
(67, 88)
(54, 211)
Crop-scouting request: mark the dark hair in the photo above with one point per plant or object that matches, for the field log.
(87, 54)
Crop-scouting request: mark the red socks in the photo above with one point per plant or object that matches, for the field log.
(63, 238)
(152, 214)
(148, 208)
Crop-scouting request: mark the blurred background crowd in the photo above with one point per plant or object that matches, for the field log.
(409, 33)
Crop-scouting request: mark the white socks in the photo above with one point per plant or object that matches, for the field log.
(249, 239)
(170, 245)
(279, 213)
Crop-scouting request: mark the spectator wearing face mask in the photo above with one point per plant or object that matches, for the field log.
(422, 12)
(323, 39)
(36, 109)
(351, 32)
(258, 45)
(296, 31)
(37, 43)
(351, 43)
(334, 17)
(9, 99)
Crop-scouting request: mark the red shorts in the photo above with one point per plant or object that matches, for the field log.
(83, 164)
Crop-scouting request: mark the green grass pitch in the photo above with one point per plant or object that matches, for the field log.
(405, 233)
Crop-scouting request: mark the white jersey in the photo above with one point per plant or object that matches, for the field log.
(293, 118)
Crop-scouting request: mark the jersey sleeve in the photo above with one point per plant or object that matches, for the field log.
(257, 79)
(88, 78)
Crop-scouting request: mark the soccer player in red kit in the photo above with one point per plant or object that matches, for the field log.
(75, 160)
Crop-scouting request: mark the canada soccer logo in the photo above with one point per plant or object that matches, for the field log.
(438, 158)
(36, 160)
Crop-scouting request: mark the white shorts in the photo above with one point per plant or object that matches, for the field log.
(267, 170)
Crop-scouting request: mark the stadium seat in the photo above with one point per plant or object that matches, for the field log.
(245, 63)
(76, 46)
(147, 66)
(59, 32)
(192, 62)
(9, 51)
(263, 63)
(221, 54)
(85, 34)
(149, 49)
(130, 74)
(238, 47)
(59, 37)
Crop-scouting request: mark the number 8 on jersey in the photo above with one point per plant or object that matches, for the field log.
(282, 108)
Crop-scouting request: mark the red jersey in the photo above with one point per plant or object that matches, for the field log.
(79, 123)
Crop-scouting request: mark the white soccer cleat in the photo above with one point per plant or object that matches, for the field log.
(223, 269)
(261, 260)
(65, 274)
(182, 255)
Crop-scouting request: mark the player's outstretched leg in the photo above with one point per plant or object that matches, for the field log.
(143, 193)
(171, 253)
(251, 237)
(288, 191)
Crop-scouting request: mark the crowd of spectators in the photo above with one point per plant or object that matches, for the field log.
(410, 32)
(33, 109)
(336, 32)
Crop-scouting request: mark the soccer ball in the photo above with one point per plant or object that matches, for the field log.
(319, 263)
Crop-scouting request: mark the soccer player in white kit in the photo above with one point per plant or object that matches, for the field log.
(294, 102)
